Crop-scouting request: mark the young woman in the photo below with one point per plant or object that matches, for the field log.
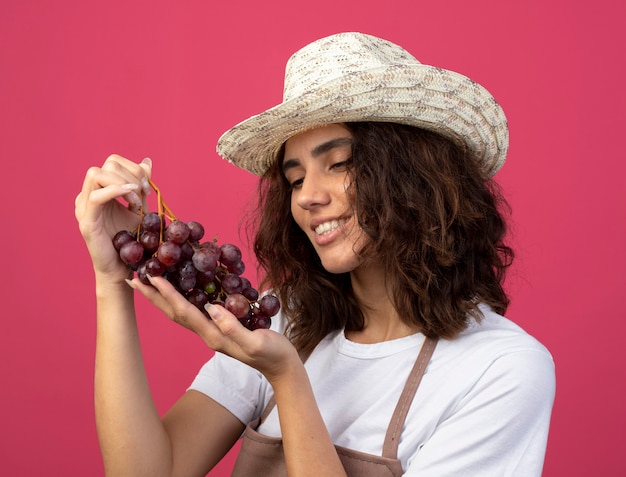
(379, 227)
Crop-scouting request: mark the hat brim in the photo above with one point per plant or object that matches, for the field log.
(419, 95)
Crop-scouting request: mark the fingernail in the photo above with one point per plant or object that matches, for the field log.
(214, 311)
(129, 186)
(147, 161)
(150, 279)
(131, 284)
(133, 200)
(146, 186)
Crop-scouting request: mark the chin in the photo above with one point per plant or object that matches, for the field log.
(338, 267)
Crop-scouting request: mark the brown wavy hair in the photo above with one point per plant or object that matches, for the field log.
(435, 222)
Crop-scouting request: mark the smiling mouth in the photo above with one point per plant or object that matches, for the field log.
(329, 226)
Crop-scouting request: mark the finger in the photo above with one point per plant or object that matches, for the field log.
(89, 184)
(163, 295)
(228, 323)
(130, 171)
(90, 201)
(153, 295)
(97, 178)
(236, 337)
(222, 333)
(146, 165)
(225, 334)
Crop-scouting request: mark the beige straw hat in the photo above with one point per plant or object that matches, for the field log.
(351, 77)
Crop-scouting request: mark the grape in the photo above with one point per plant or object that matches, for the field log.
(210, 287)
(131, 252)
(250, 293)
(169, 253)
(154, 267)
(237, 304)
(204, 272)
(220, 273)
(186, 283)
(141, 273)
(259, 321)
(204, 260)
(231, 283)
(237, 268)
(187, 250)
(269, 305)
(211, 247)
(230, 254)
(198, 298)
(150, 240)
(122, 237)
(186, 269)
(177, 232)
(246, 319)
(204, 278)
(196, 231)
(151, 222)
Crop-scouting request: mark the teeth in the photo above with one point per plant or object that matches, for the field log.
(328, 226)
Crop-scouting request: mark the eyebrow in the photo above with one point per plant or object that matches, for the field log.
(318, 151)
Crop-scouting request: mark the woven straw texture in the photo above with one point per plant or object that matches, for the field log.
(351, 77)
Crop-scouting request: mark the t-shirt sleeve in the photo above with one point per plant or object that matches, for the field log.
(238, 387)
(500, 427)
(233, 384)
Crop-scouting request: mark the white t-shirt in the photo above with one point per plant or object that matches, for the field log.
(483, 407)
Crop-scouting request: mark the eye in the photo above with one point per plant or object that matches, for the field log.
(296, 184)
(342, 165)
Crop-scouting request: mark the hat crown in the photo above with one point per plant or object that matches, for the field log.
(338, 56)
(354, 77)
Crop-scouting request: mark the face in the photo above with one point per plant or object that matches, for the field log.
(316, 165)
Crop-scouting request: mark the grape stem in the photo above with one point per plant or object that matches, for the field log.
(162, 208)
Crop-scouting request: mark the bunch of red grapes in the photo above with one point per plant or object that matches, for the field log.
(204, 272)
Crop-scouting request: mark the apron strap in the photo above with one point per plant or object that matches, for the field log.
(392, 438)
(390, 446)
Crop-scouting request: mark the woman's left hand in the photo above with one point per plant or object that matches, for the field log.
(307, 444)
(269, 352)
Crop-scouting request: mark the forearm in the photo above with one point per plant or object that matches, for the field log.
(132, 438)
(308, 447)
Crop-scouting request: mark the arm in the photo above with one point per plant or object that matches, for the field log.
(201, 432)
(129, 428)
(307, 444)
(133, 439)
(308, 447)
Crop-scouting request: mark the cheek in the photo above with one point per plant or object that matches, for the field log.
(296, 212)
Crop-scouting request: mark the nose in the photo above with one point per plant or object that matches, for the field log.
(313, 192)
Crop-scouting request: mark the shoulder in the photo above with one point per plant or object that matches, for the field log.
(493, 336)
(496, 353)
(484, 404)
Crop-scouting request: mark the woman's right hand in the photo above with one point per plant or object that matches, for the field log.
(100, 213)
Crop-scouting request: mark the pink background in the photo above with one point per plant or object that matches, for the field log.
(80, 80)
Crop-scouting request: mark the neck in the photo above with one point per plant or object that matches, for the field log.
(381, 319)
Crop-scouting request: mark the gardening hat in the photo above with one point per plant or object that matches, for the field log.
(349, 77)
